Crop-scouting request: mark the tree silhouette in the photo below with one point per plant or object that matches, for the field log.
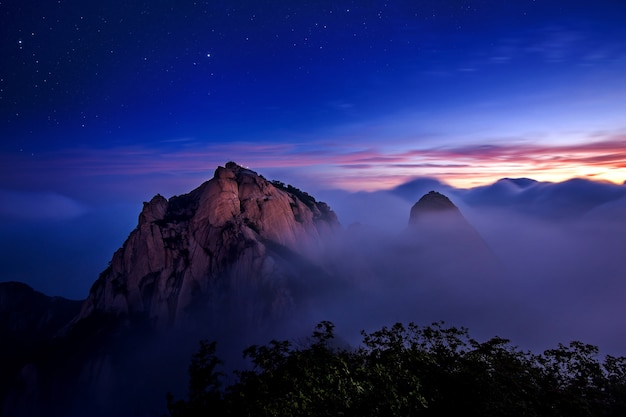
(407, 371)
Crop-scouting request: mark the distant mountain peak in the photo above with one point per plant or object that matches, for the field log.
(519, 182)
(431, 202)
(444, 240)
(436, 201)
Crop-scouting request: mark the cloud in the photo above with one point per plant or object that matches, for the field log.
(38, 206)
(558, 249)
(559, 272)
(554, 45)
(564, 200)
(319, 164)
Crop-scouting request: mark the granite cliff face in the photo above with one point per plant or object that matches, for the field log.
(235, 235)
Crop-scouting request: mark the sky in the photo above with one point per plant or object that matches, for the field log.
(362, 103)
(133, 98)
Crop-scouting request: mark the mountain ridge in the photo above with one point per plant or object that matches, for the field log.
(213, 236)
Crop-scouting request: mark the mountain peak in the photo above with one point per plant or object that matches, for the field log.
(431, 202)
(235, 168)
(519, 182)
(235, 226)
(232, 165)
(445, 241)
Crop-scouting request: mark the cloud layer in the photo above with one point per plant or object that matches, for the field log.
(316, 165)
(38, 206)
(560, 271)
(559, 246)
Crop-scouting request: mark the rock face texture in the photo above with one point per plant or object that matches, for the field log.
(235, 235)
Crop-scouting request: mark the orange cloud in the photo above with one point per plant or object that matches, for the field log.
(479, 164)
(344, 165)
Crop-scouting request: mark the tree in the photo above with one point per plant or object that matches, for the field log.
(407, 371)
(204, 385)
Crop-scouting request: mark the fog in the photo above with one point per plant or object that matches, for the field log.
(62, 253)
(558, 270)
(536, 263)
(552, 268)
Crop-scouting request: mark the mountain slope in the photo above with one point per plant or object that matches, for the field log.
(234, 234)
(28, 321)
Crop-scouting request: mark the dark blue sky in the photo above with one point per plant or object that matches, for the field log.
(361, 91)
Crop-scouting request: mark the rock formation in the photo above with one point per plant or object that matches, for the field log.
(432, 203)
(235, 257)
(441, 241)
(234, 235)
(434, 217)
(436, 221)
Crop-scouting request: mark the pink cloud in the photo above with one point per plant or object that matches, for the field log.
(338, 164)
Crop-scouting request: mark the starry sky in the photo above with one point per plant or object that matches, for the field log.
(124, 99)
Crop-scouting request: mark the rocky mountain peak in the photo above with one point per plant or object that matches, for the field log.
(153, 210)
(231, 235)
(443, 242)
(432, 202)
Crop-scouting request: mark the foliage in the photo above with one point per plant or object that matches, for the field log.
(303, 196)
(204, 384)
(408, 371)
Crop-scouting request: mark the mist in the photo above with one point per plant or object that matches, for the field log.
(62, 253)
(498, 268)
(553, 269)
(536, 263)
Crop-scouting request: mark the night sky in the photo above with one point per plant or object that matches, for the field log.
(105, 104)
(145, 97)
